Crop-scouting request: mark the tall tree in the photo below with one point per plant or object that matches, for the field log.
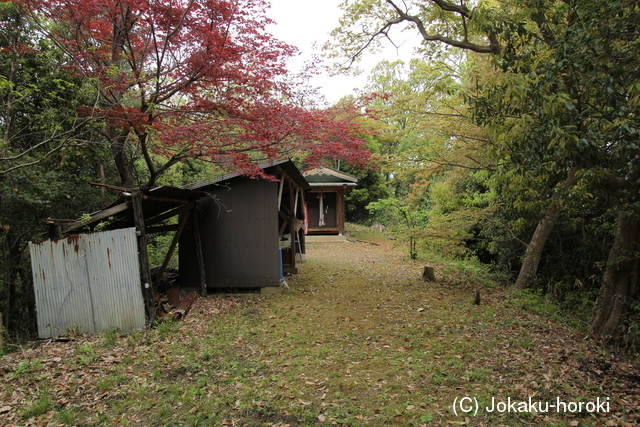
(32, 94)
(44, 155)
(428, 134)
(565, 107)
(189, 79)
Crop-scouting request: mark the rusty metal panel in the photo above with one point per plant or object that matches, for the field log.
(88, 283)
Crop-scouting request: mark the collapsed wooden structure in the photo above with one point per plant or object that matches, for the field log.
(147, 211)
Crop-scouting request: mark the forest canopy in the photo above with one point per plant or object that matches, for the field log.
(528, 156)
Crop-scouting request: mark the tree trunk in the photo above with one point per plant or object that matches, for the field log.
(533, 254)
(120, 156)
(621, 281)
(428, 275)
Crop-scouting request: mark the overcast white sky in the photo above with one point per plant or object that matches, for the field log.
(306, 24)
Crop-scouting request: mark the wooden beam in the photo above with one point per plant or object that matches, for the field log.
(282, 227)
(97, 217)
(169, 214)
(110, 187)
(162, 229)
(143, 256)
(172, 247)
(155, 198)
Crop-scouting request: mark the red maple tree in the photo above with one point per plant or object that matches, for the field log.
(193, 78)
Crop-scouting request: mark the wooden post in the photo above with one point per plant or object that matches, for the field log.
(143, 257)
(476, 298)
(55, 231)
(340, 211)
(172, 247)
(280, 190)
(292, 222)
(305, 220)
(198, 243)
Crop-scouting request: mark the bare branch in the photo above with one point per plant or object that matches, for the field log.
(493, 46)
(35, 162)
(451, 7)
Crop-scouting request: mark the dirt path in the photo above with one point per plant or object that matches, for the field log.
(406, 350)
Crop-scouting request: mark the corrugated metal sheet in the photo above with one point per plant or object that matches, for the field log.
(89, 283)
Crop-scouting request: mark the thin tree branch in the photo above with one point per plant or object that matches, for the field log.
(493, 46)
(509, 230)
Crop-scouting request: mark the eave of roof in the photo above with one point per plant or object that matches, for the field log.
(332, 184)
(269, 168)
(326, 175)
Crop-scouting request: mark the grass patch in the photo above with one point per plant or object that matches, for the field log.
(358, 340)
(39, 407)
(538, 304)
(362, 232)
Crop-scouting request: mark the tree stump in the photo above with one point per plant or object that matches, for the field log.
(476, 298)
(428, 275)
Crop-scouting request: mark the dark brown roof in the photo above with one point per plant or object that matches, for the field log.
(269, 168)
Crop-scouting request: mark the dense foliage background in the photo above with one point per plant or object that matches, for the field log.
(511, 141)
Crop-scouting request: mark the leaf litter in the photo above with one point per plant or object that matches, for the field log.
(358, 340)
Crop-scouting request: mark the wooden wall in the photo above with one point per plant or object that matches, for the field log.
(238, 225)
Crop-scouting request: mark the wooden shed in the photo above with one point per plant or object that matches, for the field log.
(325, 201)
(248, 228)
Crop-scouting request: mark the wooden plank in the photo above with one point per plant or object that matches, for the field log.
(323, 230)
(97, 217)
